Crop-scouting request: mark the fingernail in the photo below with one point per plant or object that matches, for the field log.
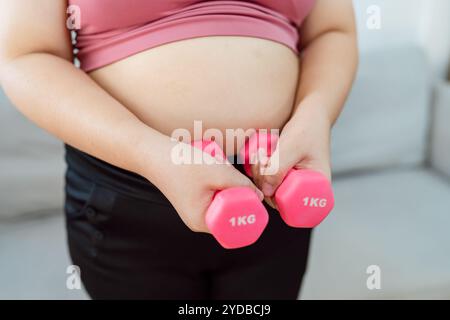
(267, 189)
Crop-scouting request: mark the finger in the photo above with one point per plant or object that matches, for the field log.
(258, 168)
(271, 202)
(233, 178)
(254, 166)
(271, 177)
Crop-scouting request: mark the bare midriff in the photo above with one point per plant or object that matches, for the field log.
(222, 82)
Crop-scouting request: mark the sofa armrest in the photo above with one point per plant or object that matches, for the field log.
(440, 130)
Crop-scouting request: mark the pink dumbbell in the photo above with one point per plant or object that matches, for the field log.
(236, 217)
(304, 198)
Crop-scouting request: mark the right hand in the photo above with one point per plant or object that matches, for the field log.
(190, 187)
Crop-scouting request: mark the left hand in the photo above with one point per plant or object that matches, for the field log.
(304, 143)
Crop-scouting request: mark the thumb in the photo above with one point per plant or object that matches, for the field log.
(270, 183)
(273, 173)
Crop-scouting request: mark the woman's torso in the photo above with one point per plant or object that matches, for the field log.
(226, 82)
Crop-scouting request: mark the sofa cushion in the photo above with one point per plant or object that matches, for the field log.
(385, 120)
(395, 219)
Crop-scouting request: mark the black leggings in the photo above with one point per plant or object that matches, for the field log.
(130, 243)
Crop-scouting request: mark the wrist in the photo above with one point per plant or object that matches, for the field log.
(310, 121)
(306, 134)
(315, 107)
(152, 155)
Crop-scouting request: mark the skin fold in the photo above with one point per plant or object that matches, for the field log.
(93, 112)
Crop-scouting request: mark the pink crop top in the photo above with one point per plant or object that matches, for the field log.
(111, 30)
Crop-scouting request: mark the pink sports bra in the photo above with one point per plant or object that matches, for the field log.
(111, 30)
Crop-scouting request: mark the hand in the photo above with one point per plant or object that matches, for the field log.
(190, 187)
(304, 143)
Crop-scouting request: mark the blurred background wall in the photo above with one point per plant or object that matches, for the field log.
(391, 158)
(409, 22)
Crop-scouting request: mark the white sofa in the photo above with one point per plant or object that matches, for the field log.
(391, 151)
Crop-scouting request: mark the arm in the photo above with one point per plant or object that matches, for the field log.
(37, 75)
(329, 58)
(328, 65)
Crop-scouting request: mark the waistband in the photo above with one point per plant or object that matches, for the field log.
(108, 175)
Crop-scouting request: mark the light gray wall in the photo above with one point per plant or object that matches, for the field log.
(421, 23)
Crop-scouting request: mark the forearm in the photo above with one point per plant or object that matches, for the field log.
(66, 102)
(327, 70)
(328, 66)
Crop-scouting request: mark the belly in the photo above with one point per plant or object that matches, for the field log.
(219, 83)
